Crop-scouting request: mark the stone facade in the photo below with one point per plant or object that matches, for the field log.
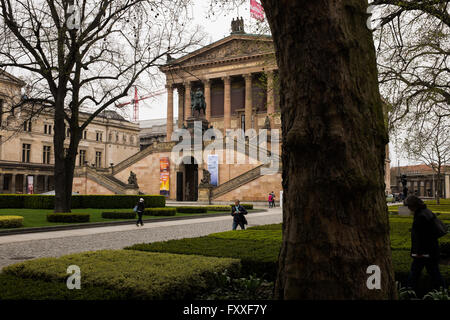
(26, 147)
(238, 77)
(421, 180)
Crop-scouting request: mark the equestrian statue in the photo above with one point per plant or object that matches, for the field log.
(198, 101)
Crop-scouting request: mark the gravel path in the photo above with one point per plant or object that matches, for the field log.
(19, 248)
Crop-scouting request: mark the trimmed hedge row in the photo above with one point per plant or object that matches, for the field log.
(37, 201)
(68, 217)
(258, 249)
(192, 209)
(131, 274)
(11, 221)
(119, 215)
(160, 212)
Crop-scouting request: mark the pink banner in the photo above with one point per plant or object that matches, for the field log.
(256, 10)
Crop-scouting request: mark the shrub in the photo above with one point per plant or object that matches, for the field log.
(37, 201)
(11, 201)
(247, 206)
(68, 217)
(11, 221)
(258, 248)
(118, 201)
(160, 212)
(218, 208)
(133, 274)
(192, 209)
(257, 257)
(119, 215)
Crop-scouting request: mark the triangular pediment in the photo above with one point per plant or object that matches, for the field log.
(234, 46)
(7, 77)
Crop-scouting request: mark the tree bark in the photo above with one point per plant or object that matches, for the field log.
(64, 163)
(335, 219)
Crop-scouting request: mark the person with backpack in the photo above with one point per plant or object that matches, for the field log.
(425, 232)
(238, 212)
(270, 200)
(139, 209)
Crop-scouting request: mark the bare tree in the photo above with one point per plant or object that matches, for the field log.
(413, 51)
(430, 144)
(86, 55)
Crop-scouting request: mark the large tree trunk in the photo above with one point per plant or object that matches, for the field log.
(64, 164)
(335, 219)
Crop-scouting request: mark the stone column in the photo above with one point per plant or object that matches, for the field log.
(207, 84)
(46, 186)
(227, 104)
(24, 184)
(180, 90)
(169, 125)
(248, 101)
(270, 97)
(13, 183)
(187, 103)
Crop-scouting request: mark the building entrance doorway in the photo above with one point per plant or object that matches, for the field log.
(187, 180)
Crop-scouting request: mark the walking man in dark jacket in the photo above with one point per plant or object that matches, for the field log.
(424, 245)
(140, 211)
(238, 212)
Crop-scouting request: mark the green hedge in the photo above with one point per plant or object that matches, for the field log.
(37, 201)
(218, 208)
(160, 212)
(131, 274)
(258, 256)
(68, 217)
(247, 206)
(192, 209)
(258, 248)
(11, 221)
(119, 215)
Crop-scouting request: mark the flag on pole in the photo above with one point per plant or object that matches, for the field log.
(256, 10)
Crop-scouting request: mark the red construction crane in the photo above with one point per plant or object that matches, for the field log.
(136, 100)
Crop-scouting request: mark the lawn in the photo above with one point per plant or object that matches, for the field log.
(443, 208)
(38, 217)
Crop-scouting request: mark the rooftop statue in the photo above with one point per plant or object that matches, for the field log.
(237, 26)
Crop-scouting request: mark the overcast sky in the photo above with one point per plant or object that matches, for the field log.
(217, 28)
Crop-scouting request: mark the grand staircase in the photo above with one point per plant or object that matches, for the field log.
(104, 179)
(238, 181)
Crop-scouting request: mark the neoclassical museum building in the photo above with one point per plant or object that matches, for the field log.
(237, 78)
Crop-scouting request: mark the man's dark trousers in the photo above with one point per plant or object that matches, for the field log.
(140, 213)
(432, 266)
(240, 223)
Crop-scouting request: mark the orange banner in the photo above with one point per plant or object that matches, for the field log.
(164, 176)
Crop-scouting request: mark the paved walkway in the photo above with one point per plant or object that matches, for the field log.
(16, 248)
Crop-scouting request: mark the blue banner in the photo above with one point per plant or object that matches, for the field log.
(213, 168)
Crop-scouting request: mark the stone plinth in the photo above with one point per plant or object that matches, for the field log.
(204, 193)
(191, 122)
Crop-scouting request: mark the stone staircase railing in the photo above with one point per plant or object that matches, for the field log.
(105, 180)
(156, 147)
(238, 181)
